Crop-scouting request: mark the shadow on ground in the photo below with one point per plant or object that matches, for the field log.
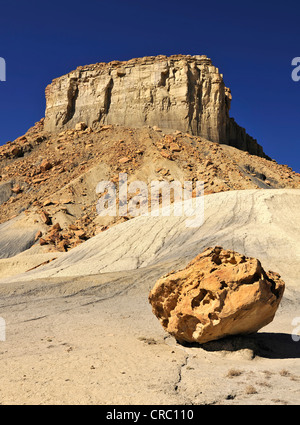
(265, 344)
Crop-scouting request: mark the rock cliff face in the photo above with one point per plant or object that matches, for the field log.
(185, 93)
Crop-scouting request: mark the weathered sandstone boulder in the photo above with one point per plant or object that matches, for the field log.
(185, 93)
(219, 293)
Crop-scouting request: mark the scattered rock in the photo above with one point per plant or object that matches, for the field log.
(16, 189)
(45, 165)
(80, 234)
(165, 155)
(43, 241)
(66, 201)
(40, 180)
(38, 235)
(45, 217)
(174, 147)
(105, 127)
(155, 128)
(56, 227)
(16, 151)
(62, 246)
(80, 126)
(124, 160)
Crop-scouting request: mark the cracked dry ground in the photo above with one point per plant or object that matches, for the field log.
(95, 340)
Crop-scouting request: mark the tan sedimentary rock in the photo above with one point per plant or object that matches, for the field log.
(45, 165)
(16, 189)
(80, 126)
(45, 217)
(219, 293)
(184, 93)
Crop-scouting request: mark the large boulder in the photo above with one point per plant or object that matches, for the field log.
(219, 293)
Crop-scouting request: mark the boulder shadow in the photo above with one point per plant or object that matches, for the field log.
(271, 345)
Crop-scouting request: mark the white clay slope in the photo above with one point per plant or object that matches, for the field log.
(259, 223)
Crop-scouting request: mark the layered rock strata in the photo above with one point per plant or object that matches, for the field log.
(185, 93)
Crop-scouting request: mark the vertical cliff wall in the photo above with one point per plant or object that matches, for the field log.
(179, 92)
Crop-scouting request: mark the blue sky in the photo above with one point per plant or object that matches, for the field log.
(252, 43)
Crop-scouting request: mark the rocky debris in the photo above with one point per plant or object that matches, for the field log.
(166, 155)
(80, 126)
(62, 239)
(16, 151)
(174, 147)
(47, 182)
(124, 160)
(21, 145)
(45, 217)
(45, 165)
(16, 189)
(219, 293)
(42, 241)
(184, 93)
(42, 264)
(168, 147)
(38, 235)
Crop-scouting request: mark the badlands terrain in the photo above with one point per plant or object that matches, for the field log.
(74, 286)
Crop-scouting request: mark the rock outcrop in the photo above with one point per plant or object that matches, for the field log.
(185, 93)
(219, 293)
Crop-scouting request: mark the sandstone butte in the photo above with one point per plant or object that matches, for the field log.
(219, 293)
(180, 92)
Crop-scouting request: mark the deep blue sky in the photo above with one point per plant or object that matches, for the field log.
(252, 43)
